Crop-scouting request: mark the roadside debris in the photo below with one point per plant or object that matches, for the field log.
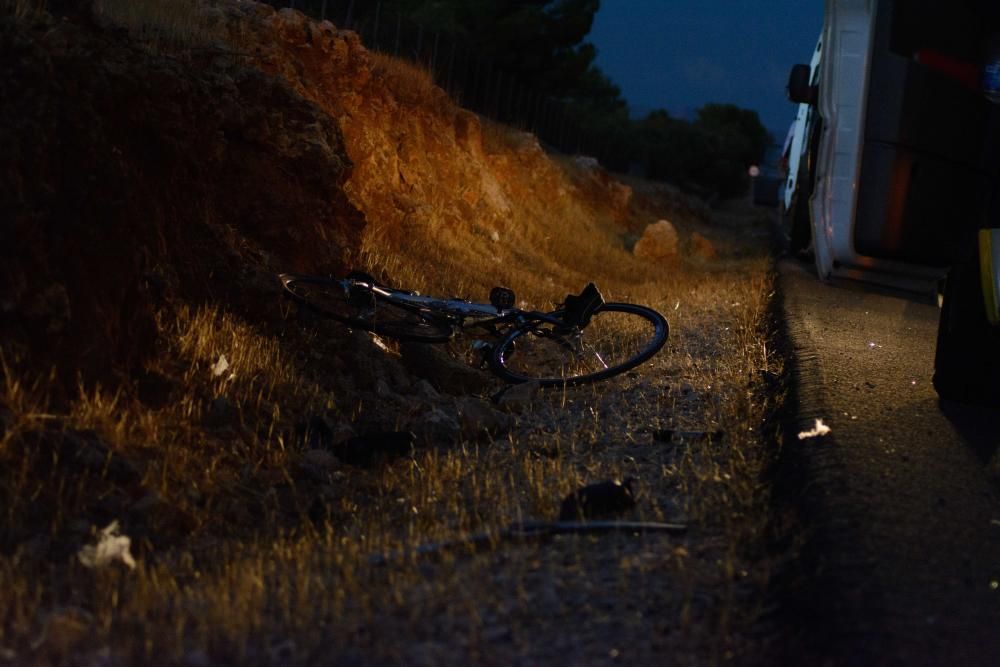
(819, 429)
(110, 547)
(596, 500)
(370, 450)
(220, 366)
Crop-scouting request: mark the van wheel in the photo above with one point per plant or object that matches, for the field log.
(797, 216)
(800, 229)
(967, 362)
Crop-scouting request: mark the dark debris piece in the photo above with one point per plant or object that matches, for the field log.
(374, 449)
(598, 500)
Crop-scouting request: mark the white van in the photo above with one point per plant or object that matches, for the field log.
(901, 154)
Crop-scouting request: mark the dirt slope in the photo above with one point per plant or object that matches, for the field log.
(130, 175)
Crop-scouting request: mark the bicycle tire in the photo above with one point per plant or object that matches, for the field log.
(619, 337)
(337, 300)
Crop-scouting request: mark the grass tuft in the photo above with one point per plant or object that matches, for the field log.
(162, 24)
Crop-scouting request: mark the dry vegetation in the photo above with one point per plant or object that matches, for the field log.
(233, 565)
(159, 23)
(254, 545)
(413, 84)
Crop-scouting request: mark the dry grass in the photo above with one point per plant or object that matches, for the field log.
(23, 9)
(500, 138)
(166, 25)
(252, 548)
(412, 84)
(242, 574)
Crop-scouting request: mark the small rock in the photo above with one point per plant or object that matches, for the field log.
(446, 373)
(371, 359)
(659, 242)
(399, 380)
(439, 428)
(425, 391)
(477, 419)
(320, 458)
(311, 472)
(147, 504)
(382, 389)
(519, 397)
(597, 500)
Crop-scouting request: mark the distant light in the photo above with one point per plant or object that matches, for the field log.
(754, 171)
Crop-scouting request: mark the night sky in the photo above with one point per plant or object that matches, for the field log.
(681, 54)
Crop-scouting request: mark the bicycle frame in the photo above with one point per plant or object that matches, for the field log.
(457, 311)
(356, 301)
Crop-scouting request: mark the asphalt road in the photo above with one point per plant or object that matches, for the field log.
(899, 505)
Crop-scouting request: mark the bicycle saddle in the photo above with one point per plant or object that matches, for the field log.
(581, 307)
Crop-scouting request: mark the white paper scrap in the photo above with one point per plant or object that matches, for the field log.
(110, 547)
(220, 366)
(819, 429)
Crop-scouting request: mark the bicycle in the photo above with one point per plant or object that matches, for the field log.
(583, 341)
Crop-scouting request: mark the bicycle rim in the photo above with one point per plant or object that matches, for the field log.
(619, 336)
(357, 306)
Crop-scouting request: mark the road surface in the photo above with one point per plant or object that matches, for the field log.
(899, 504)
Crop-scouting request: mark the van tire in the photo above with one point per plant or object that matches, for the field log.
(966, 362)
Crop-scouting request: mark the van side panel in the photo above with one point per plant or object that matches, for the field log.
(922, 181)
(843, 84)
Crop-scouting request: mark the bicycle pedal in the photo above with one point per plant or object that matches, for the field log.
(502, 298)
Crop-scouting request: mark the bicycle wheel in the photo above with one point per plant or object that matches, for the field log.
(619, 336)
(357, 305)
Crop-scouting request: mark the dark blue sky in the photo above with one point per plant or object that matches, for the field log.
(681, 54)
